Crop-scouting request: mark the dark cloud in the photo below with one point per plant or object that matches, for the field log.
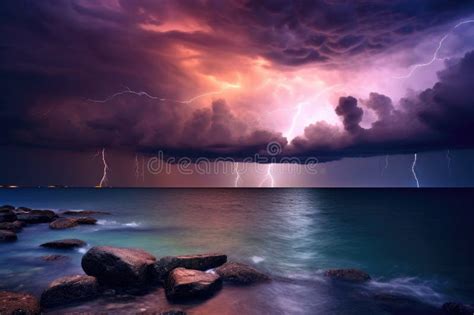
(438, 118)
(56, 54)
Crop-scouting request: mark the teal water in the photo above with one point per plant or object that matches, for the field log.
(414, 242)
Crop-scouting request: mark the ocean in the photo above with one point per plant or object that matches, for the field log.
(417, 244)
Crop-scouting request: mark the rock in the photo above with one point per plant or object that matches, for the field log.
(54, 258)
(125, 267)
(70, 289)
(7, 207)
(63, 223)
(7, 215)
(24, 209)
(85, 212)
(7, 236)
(240, 273)
(64, 244)
(85, 220)
(15, 226)
(352, 275)
(37, 216)
(173, 312)
(452, 308)
(16, 303)
(186, 283)
(202, 262)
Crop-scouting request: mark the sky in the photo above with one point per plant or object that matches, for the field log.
(237, 93)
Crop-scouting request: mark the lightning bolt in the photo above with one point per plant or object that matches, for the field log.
(413, 171)
(143, 168)
(103, 180)
(448, 158)
(268, 176)
(137, 167)
(127, 90)
(237, 177)
(386, 165)
(435, 54)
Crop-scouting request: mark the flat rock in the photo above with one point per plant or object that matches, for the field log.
(202, 262)
(7, 207)
(85, 212)
(54, 258)
(64, 244)
(7, 236)
(452, 308)
(70, 289)
(85, 220)
(126, 267)
(15, 226)
(186, 283)
(7, 215)
(240, 273)
(351, 275)
(17, 303)
(63, 223)
(37, 216)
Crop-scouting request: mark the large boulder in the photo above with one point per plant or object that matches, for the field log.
(64, 244)
(125, 267)
(351, 275)
(84, 212)
(186, 283)
(202, 262)
(15, 226)
(240, 273)
(15, 303)
(452, 308)
(7, 215)
(85, 220)
(7, 236)
(37, 216)
(70, 289)
(63, 223)
(7, 207)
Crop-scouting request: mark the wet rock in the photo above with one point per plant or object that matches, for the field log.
(240, 273)
(70, 289)
(125, 267)
(16, 303)
(85, 220)
(85, 212)
(63, 223)
(202, 262)
(7, 236)
(15, 226)
(7, 215)
(351, 275)
(37, 216)
(186, 283)
(64, 244)
(452, 308)
(54, 258)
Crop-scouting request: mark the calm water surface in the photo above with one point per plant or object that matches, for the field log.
(413, 242)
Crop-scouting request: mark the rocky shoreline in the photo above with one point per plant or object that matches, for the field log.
(111, 271)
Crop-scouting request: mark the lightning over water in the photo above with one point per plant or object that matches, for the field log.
(104, 178)
(413, 166)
